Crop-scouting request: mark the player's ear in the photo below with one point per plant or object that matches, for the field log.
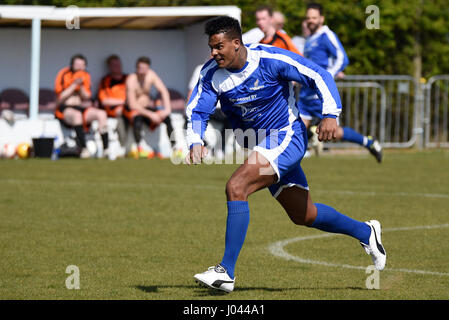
(236, 42)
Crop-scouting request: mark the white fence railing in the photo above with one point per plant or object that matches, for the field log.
(386, 107)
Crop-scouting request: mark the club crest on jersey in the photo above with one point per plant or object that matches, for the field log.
(314, 44)
(257, 86)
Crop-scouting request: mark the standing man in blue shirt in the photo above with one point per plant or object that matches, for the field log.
(254, 87)
(325, 49)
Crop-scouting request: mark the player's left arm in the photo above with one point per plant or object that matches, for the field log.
(296, 68)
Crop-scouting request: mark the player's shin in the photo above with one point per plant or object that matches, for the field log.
(352, 136)
(330, 220)
(236, 227)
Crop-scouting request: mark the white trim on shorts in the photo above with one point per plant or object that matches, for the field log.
(285, 186)
(272, 154)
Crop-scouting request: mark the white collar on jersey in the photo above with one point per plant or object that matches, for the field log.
(323, 29)
(224, 80)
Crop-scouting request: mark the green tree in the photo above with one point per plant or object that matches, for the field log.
(413, 37)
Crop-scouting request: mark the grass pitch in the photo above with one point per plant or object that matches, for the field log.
(142, 229)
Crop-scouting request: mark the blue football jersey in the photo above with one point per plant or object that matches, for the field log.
(325, 49)
(260, 96)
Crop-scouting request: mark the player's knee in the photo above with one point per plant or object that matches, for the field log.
(235, 190)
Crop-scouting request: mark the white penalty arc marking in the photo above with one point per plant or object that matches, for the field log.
(278, 250)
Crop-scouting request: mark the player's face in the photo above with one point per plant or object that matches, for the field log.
(115, 66)
(223, 50)
(263, 20)
(79, 65)
(314, 20)
(142, 69)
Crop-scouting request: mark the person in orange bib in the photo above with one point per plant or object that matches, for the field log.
(277, 38)
(72, 87)
(112, 94)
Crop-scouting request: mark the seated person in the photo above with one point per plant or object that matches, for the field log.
(140, 108)
(72, 87)
(112, 94)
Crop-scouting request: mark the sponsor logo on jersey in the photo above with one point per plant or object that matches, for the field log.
(257, 86)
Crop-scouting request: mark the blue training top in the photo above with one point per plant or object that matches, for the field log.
(260, 95)
(325, 49)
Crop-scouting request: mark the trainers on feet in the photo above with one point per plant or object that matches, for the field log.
(376, 150)
(85, 154)
(375, 247)
(144, 153)
(216, 278)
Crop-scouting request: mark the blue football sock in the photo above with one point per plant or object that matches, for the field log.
(236, 227)
(351, 135)
(330, 220)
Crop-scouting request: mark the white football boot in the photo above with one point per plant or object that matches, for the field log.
(375, 247)
(376, 150)
(216, 278)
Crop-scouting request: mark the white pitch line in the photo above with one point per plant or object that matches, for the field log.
(385, 194)
(219, 187)
(277, 249)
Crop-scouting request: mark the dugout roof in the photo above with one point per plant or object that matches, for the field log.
(143, 18)
(148, 18)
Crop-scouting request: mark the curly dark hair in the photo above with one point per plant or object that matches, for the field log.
(226, 25)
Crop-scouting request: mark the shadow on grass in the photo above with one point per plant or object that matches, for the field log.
(203, 291)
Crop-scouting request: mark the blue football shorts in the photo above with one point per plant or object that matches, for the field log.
(284, 150)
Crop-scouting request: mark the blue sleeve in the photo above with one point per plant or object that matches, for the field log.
(296, 68)
(200, 106)
(337, 52)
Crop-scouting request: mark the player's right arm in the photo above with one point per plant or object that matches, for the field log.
(199, 108)
(295, 68)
